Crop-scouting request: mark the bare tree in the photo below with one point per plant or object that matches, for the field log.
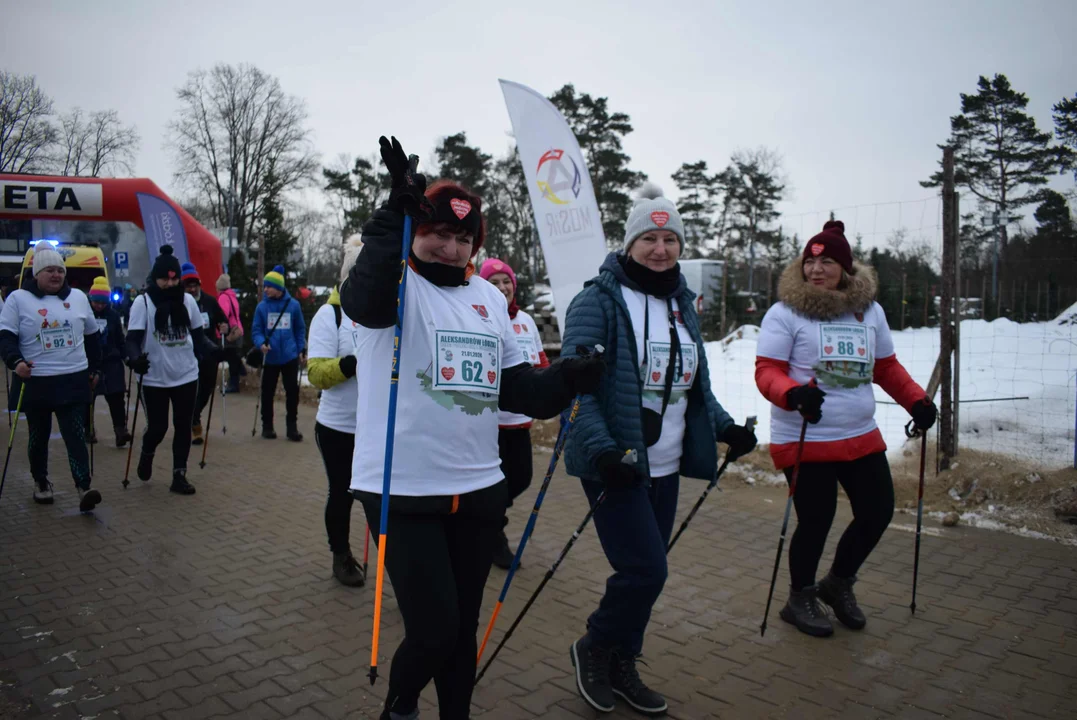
(234, 123)
(26, 130)
(94, 145)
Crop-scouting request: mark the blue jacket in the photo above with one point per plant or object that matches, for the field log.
(612, 418)
(284, 345)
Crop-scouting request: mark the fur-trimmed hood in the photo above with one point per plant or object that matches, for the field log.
(819, 304)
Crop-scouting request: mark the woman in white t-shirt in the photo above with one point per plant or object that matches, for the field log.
(459, 363)
(657, 401)
(827, 340)
(49, 338)
(513, 429)
(331, 369)
(165, 340)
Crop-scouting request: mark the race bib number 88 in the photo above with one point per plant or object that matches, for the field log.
(843, 342)
(467, 361)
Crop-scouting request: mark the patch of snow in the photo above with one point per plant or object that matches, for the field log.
(61, 691)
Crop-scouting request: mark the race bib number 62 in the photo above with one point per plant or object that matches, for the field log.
(467, 361)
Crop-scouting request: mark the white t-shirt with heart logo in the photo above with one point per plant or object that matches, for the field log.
(527, 337)
(50, 330)
(456, 341)
(840, 354)
(337, 406)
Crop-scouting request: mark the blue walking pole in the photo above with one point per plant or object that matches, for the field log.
(390, 434)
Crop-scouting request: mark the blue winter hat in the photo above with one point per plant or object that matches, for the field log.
(275, 278)
(189, 272)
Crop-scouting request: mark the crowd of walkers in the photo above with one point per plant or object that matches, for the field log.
(468, 375)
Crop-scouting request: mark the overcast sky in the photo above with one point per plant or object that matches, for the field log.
(855, 96)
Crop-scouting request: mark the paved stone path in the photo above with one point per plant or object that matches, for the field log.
(223, 605)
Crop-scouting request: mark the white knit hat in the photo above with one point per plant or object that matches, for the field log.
(352, 246)
(45, 256)
(652, 211)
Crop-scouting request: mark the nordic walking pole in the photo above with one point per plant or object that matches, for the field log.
(750, 424)
(11, 436)
(912, 431)
(785, 524)
(224, 396)
(390, 429)
(127, 398)
(629, 459)
(558, 448)
(209, 422)
(7, 393)
(257, 403)
(134, 425)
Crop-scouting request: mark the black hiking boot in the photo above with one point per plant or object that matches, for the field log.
(838, 593)
(88, 499)
(293, 433)
(122, 436)
(592, 665)
(803, 610)
(503, 556)
(626, 682)
(145, 467)
(43, 492)
(268, 432)
(347, 570)
(180, 486)
(387, 714)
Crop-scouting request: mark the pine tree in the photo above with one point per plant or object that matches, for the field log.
(1066, 129)
(463, 163)
(280, 241)
(600, 133)
(356, 193)
(699, 201)
(755, 189)
(999, 153)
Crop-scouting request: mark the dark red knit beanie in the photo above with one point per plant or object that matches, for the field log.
(831, 243)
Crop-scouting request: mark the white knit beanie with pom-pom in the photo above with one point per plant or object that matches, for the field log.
(352, 246)
(652, 211)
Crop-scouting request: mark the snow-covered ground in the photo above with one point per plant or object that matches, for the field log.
(999, 359)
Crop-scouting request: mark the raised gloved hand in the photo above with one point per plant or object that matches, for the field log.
(584, 372)
(614, 472)
(924, 413)
(139, 365)
(407, 194)
(808, 401)
(347, 365)
(740, 439)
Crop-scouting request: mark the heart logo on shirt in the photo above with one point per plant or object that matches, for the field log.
(42, 312)
(656, 376)
(687, 377)
(516, 327)
(67, 306)
(447, 373)
(491, 376)
(828, 349)
(660, 218)
(861, 351)
(460, 207)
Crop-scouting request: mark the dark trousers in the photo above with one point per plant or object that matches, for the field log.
(72, 422)
(870, 489)
(207, 383)
(156, 401)
(438, 562)
(514, 446)
(634, 527)
(336, 448)
(289, 375)
(115, 411)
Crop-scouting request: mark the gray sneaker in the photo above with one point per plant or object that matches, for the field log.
(88, 499)
(43, 493)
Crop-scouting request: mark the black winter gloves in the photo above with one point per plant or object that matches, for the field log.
(583, 373)
(808, 401)
(740, 440)
(139, 365)
(347, 365)
(614, 472)
(407, 195)
(924, 413)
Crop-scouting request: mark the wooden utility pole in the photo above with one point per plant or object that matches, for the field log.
(957, 323)
(949, 246)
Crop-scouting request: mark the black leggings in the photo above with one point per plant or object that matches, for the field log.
(156, 400)
(289, 376)
(115, 410)
(514, 446)
(71, 419)
(207, 383)
(438, 560)
(336, 448)
(870, 489)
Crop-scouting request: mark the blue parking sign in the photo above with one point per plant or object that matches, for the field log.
(120, 260)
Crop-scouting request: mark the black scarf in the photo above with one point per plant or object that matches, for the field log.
(32, 286)
(440, 274)
(169, 304)
(659, 284)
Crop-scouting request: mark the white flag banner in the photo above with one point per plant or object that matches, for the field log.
(562, 196)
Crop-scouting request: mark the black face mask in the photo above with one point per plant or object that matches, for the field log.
(659, 284)
(440, 274)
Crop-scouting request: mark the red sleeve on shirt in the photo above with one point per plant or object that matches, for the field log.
(543, 360)
(892, 377)
(772, 379)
